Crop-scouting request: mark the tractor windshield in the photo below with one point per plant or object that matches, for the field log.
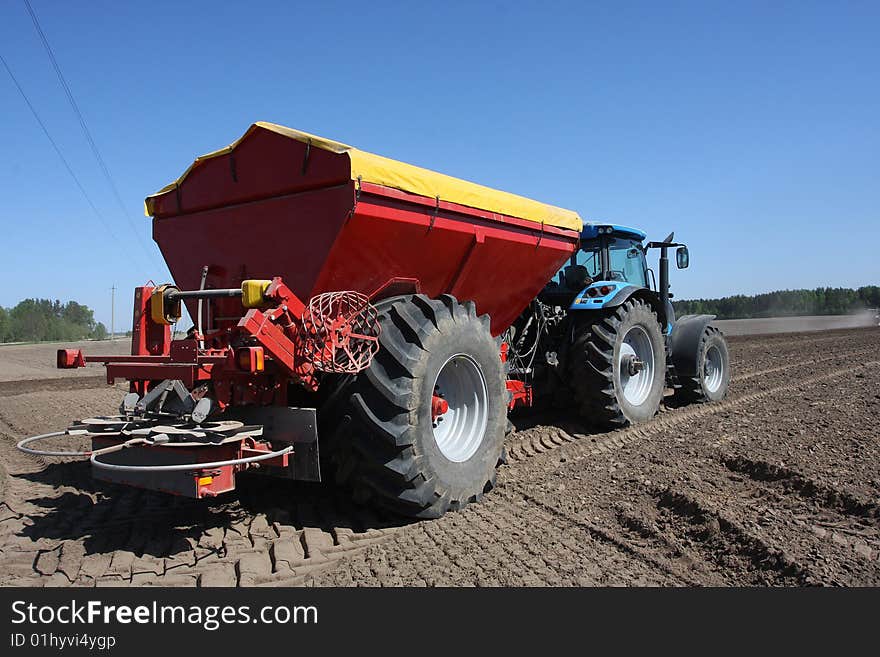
(613, 259)
(626, 261)
(606, 258)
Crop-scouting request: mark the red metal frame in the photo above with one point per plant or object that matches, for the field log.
(439, 406)
(520, 394)
(275, 329)
(147, 337)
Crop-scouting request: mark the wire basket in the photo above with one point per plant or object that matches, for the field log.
(341, 332)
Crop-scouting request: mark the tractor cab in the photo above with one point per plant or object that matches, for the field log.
(611, 339)
(610, 267)
(610, 258)
(612, 253)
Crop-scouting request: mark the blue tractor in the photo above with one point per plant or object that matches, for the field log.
(603, 334)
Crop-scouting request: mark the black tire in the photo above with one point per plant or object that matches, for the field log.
(697, 389)
(383, 444)
(593, 365)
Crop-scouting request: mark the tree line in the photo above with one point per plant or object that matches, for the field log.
(35, 320)
(782, 303)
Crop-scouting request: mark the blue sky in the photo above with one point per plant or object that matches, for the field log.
(751, 129)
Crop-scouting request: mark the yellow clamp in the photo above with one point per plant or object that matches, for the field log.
(162, 312)
(253, 293)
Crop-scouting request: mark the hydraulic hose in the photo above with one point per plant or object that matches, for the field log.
(93, 455)
(187, 466)
(22, 445)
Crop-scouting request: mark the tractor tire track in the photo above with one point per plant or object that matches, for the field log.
(844, 522)
(693, 531)
(502, 543)
(748, 375)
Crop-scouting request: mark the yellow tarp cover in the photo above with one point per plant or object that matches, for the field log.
(380, 170)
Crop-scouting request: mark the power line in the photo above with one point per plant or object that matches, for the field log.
(82, 122)
(58, 151)
(64, 161)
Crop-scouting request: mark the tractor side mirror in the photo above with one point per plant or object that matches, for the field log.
(682, 257)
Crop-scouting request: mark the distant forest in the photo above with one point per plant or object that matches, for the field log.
(783, 303)
(35, 320)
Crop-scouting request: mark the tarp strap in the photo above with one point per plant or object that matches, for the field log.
(306, 156)
(434, 213)
(357, 197)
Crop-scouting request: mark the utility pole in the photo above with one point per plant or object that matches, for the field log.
(113, 311)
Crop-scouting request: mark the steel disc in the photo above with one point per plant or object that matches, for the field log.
(100, 425)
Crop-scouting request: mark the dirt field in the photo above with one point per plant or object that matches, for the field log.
(19, 362)
(797, 324)
(777, 485)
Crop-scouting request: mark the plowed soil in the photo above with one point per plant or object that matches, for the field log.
(777, 485)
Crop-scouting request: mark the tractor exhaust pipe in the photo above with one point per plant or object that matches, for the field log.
(664, 275)
(664, 269)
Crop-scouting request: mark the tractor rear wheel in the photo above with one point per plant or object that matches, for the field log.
(421, 430)
(713, 370)
(617, 365)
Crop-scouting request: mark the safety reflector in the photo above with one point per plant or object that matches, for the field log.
(251, 359)
(70, 358)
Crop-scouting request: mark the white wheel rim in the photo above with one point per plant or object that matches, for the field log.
(713, 369)
(459, 431)
(636, 386)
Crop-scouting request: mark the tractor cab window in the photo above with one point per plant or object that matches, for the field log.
(626, 261)
(590, 256)
(583, 267)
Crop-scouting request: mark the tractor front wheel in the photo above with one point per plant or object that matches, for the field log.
(617, 365)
